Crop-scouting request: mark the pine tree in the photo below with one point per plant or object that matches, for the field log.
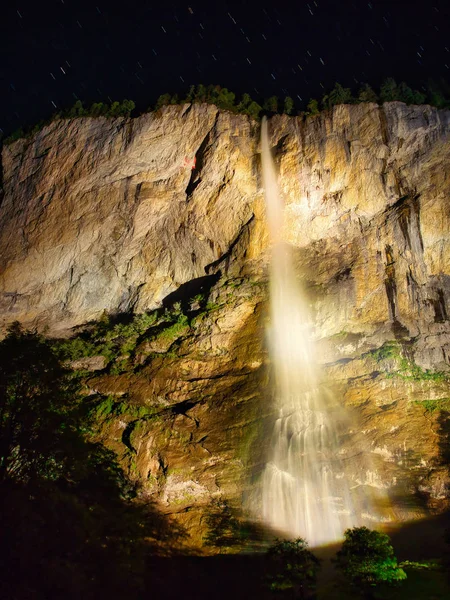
(288, 105)
(225, 99)
(77, 110)
(389, 90)
(98, 109)
(271, 104)
(338, 95)
(163, 100)
(419, 97)
(366, 94)
(200, 94)
(127, 107)
(405, 93)
(191, 94)
(253, 110)
(312, 107)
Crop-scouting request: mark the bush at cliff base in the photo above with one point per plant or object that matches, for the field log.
(367, 559)
(291, 566)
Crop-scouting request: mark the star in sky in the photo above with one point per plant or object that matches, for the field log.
(58, 51)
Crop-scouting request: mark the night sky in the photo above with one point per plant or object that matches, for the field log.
(57, 51)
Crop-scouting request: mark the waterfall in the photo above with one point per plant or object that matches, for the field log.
(304, 490)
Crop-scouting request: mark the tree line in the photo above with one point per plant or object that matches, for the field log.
(433, 93)
(96, 109)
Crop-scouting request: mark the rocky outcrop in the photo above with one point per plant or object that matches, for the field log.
(105, 215)
(108, 216)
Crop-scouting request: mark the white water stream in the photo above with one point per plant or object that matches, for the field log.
(304, 487)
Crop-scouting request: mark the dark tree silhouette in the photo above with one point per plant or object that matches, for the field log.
(70, 526)
(292, 567)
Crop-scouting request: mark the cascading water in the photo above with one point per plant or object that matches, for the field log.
(304, 491)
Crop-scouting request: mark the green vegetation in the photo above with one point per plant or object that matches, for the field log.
(118, 341)
(70, 526)
(292, 567)
(36, 399)
(433, 93)
(367, 560)
(425, 581)
(406, 368)
(433, 405)
(64, 493)
(97, 109)
(110, 406)
(389, 350)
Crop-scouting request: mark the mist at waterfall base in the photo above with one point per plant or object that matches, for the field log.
(304, 488)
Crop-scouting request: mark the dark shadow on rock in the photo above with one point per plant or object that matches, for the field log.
(190, 289)
(228, 531)
(444, 439)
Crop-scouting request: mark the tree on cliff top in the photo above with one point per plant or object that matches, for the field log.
(338, 95)
(367, 560)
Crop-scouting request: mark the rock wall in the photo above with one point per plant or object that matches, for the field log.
(107, 215)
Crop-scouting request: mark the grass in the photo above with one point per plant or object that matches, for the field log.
(389, 350)
(174, 331)
(433, 405)
(109, 407)
(407, 369)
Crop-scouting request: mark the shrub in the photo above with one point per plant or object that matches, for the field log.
(367, 559)
(292, 566)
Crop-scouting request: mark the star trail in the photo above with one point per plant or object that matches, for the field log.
(58, 51)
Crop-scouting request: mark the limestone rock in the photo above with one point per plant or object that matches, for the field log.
(103, 215)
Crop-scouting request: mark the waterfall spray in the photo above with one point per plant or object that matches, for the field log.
(304, 491)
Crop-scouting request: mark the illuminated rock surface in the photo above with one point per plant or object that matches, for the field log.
(102, 215)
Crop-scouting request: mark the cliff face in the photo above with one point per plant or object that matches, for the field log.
(102, 215)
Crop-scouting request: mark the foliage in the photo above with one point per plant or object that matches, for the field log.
(406, 368)
(390, 349)
(163, 100)
(436, 93)
(312, 107)
(97, 109)
(109, 406)
(107, 338)
(271, 104)
(288, 105)
(68, 523)
(388, 90)
(366, 94)
(338, 95)
(36, 399)
(249, 107)
(367, 559)
(292, 566)
(15, 135)
(117, 337)
(224, 529)
(433, 405)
